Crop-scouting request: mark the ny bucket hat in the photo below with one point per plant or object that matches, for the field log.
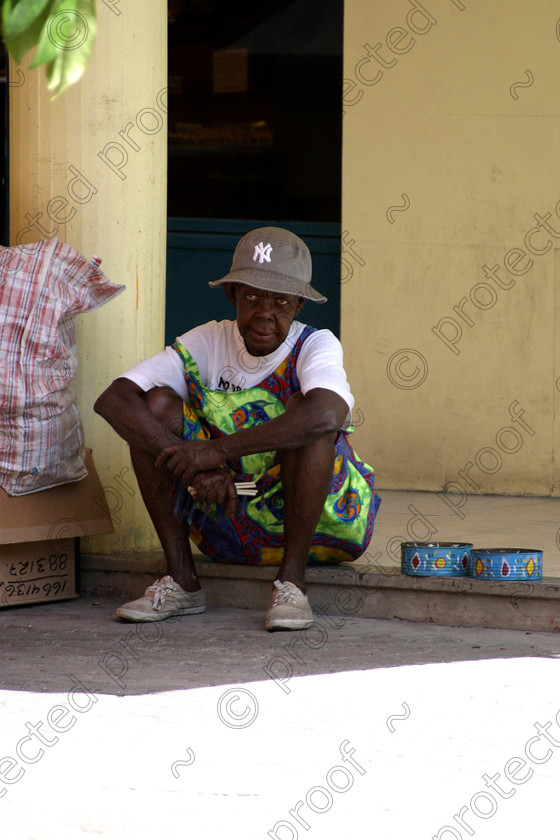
(273, 259)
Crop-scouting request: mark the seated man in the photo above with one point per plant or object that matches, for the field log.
(261, 399)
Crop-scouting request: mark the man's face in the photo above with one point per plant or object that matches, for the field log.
(264, 318)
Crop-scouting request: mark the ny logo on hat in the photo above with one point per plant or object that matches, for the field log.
(262, 252)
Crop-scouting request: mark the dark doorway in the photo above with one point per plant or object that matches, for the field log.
(255, 129)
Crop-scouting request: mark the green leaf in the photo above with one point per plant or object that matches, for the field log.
(19, 15)
(63, 30)
(73, 27)
(18, 44)
(7, 7)
(53, 73)
(68, 28)
(47, 48)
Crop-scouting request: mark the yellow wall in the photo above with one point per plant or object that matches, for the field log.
(435, 126)
(456, 129)
(116, 208)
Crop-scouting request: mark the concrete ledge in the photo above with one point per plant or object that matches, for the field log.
(348, 589)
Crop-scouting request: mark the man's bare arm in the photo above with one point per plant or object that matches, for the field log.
(123, 407)
(319, 412)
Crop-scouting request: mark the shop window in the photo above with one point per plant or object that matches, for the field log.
(255, 119)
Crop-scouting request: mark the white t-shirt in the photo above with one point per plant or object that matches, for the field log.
(225, 364)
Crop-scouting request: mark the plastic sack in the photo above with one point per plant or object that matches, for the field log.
(43, 286)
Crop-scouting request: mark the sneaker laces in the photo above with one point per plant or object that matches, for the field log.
(286, 593)
(160, 589)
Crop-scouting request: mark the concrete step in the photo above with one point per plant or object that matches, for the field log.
(347, 589)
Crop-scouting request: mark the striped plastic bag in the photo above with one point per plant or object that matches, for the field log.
(43, 286)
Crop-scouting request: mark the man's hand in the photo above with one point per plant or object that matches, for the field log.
(188, 459)
(215, 486)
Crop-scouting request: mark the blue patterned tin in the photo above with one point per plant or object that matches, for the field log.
(441, 559)
(506, 564)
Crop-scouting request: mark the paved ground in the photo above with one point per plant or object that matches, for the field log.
(210, 727)
(42, 644)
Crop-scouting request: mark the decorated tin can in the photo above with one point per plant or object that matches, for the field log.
(506, 564)
(443, 559)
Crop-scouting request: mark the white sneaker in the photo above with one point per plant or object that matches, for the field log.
(289, 609)
(163, 599)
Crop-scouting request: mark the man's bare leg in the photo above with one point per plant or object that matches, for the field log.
(306, 476)
(156, 489)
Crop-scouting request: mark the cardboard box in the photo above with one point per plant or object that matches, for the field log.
(39, 538)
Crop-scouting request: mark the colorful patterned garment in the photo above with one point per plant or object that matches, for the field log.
(255, 534)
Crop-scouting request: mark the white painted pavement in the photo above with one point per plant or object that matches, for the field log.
(407, 753)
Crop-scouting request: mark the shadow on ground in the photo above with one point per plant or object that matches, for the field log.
(42, 645)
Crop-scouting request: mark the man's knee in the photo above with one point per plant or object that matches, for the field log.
(294, 400)
(167, 406)
(163, 402)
